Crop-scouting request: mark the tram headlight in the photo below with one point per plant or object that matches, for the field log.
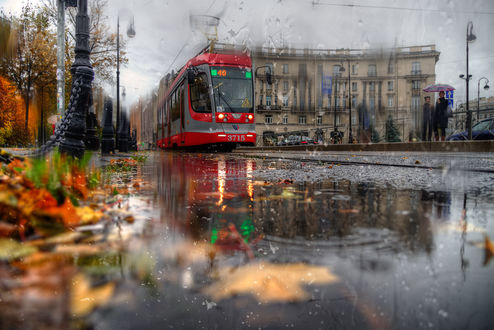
(221, 116)
(250, 117)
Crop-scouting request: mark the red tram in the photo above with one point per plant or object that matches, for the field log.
(209, 103)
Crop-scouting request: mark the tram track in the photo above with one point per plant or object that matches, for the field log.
(336, 161)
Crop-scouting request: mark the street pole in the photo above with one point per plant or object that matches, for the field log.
(335, 99)
(350, 136)
(469, 37)
(118, 77)
(60, 57)
(82, 76)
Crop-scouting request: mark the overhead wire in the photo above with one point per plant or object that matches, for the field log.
(317, 3)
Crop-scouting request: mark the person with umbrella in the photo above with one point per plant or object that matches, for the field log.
(440, 117)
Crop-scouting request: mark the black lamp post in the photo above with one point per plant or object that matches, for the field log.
(131, 34)
(486, 87)
(74, 125)
(350, 135)
(470, 37)
(336, 135)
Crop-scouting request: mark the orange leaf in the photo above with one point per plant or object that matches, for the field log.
(66, 212)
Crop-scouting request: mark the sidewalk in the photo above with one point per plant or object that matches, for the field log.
(450, 146)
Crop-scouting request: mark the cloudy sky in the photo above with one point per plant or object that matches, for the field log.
(165, 39)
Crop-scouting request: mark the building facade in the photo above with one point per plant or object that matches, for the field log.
(480, 108)
(310, 92)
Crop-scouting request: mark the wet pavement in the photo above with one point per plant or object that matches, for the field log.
(226, 242)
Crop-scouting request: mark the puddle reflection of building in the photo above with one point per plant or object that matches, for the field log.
(331, 210)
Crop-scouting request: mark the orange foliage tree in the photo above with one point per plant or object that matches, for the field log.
(11, 115)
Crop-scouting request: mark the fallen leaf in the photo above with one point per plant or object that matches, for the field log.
(87, 215)
(85, 298)
(66, 213)
(418, 162)
(489, 250)
(11, 250)
(268, 282)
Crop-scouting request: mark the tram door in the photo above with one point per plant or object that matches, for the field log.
(168, 124)
(182, 114)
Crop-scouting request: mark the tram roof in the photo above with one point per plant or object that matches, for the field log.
(220, 59)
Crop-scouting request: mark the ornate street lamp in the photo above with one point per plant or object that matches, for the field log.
(486, 87)
(131, 34)
(470, 37)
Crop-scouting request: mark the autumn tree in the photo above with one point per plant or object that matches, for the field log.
(33, 63)
(11, 115)
(102, 41)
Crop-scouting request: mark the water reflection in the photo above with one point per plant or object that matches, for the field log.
(393, 251)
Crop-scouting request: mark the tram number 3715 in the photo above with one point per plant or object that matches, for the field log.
(235, 138)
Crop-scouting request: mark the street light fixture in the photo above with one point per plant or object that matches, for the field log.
(131, 34)
(470, 37)
(486, 87)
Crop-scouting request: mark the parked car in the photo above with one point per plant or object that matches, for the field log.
(283, 142)
(483, 130)
(294, 140)
(307, 140)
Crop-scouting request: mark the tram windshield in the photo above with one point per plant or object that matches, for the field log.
(232, 89)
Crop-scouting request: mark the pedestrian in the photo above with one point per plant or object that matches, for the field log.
(427, 113)
(441, 117)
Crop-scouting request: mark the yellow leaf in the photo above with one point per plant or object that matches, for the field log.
(269, 282)
(85, 298)
(88, 215)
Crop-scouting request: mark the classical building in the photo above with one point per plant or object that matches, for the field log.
(481, 109)
(311, 88)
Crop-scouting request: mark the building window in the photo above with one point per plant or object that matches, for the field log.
(391, 67)
(337, 101)
(268, 119)
(372, 86)
(338, 120)
(285, 85)
(302, 119)
(415, 67)
(260, 99)
(372, 72)
(354, 68)
(415, 84)
(390, 100)
(285, 68)
(268, 100)
(285, 119)
(276, 99)
(354, 86)
(336, 70)
(354, 101)
(285, 100)
(319, 120)
(295, 93)
(390, 86)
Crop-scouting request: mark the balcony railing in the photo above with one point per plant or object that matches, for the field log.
(268, 108)
(416, 72)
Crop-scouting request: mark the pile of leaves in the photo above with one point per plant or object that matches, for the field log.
(125, 164)
(41, 196)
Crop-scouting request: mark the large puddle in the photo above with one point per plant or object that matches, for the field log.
(212, 246)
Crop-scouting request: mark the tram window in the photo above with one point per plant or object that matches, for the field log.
(199, 94)
(175, 106)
